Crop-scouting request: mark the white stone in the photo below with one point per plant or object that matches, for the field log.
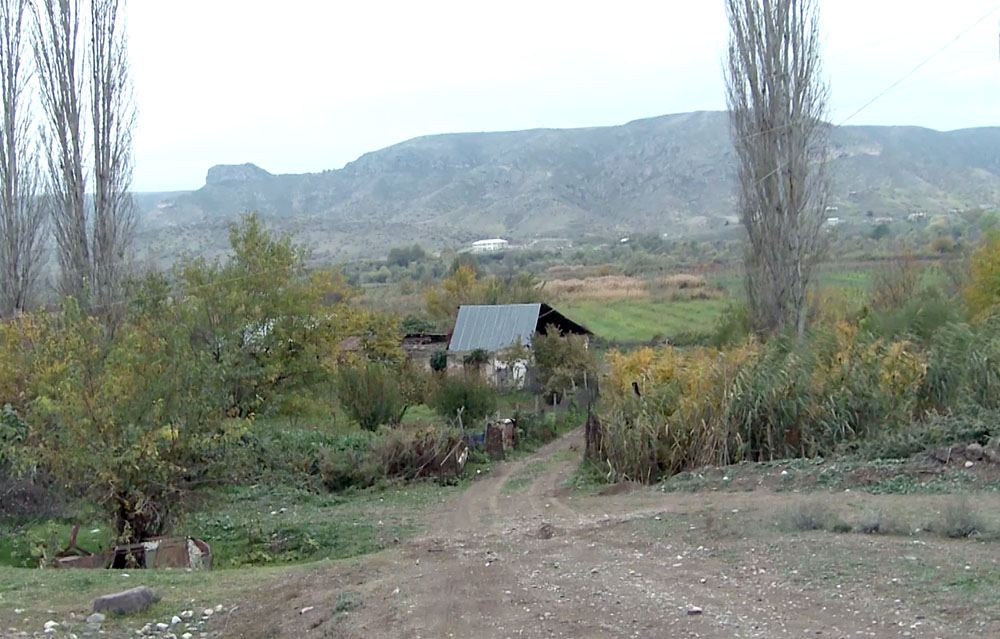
(96, 619)
(175, 620)
(969, 464)
(50, 625)
(208, 612)
(162, 627)
(187, 614)
(218, 608)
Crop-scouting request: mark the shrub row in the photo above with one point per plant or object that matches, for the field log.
(669, 410)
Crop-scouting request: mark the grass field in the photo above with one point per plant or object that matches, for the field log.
(636, 321)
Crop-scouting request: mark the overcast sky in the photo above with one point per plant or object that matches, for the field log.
(308, 85)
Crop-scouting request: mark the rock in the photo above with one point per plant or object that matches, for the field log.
(694, 610)
(127, 602)
(306, 609)
(218, 608)
(50, 626)
(162, 627)
(207, 612)
(992, 450)
(175, 620)
(186, 635)
(969, 464)
(974, 452)
(96, 619)
(187, 614)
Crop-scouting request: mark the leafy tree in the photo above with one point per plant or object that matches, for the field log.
(370, 393)
(131, 422)
(461, 287)
(880, 232)
(467, 395)
(562, 362)
(405, 256)
(416, 324)
(269, 326)
(465, 286)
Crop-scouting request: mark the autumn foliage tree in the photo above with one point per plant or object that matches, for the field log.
(466, 286)
(137, 417)
(268, 325)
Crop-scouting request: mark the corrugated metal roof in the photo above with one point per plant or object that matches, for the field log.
(494, 328)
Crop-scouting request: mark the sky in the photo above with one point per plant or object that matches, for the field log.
(308, 85)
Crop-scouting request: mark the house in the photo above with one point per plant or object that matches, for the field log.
(490, 246)
(498, 328)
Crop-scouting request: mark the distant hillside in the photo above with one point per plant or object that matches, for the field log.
(670, 174)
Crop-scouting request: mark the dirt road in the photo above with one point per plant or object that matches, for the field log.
(518, 555)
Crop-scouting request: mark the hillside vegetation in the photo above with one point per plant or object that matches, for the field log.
(670, 174)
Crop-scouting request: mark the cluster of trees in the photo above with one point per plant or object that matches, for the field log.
(136, 416)
(70, 171)
(466, 286)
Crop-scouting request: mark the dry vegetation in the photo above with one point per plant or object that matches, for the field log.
(676, 287)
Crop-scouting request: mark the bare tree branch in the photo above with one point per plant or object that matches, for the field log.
(777, 104)
(81, 52)
(113, 115)
(22, 219)
(60, 77)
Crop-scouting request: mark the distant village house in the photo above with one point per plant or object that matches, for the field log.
(490, 246)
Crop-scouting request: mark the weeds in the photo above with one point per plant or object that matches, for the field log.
(959, 520)
(815, 515)
(347, 601)
(841, 389)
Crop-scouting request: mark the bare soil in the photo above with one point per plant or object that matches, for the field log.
(520, 555)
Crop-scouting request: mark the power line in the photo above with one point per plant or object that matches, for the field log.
(921, 65)
(888, 89)
(881, 94)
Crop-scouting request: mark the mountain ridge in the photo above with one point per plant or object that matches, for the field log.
(667, 174)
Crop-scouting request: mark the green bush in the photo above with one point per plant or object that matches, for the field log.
(439, 361)
(371, 394)
(968, 425)
(562, 362)
(349, 463)
(963, 367)
(733, 327)
(920, 316)
(468, 394)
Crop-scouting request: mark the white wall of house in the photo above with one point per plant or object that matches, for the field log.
(490, 246)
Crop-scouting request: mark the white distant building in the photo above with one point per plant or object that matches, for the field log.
(490, 246)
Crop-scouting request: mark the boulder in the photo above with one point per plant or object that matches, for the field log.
(974, 452)
(127, 602)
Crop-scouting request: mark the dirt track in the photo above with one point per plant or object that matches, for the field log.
(516, 555)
